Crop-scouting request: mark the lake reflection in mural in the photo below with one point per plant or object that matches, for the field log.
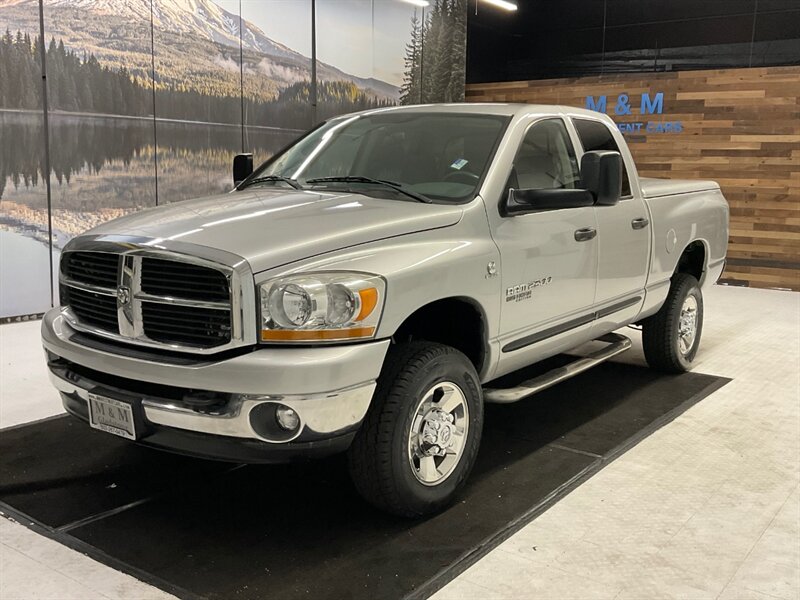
(101, 168)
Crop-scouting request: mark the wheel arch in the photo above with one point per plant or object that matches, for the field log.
(694, 259)
(457, 321)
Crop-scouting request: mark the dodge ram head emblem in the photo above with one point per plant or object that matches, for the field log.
(123, 295)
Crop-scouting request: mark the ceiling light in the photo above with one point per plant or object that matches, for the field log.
(501, 4)
(422, 3)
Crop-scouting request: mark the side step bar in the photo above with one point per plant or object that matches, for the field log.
(616, 345)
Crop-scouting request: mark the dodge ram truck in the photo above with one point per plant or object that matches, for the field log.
(362, 289)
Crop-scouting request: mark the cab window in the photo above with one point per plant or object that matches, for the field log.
(596, 136)
(545, 159)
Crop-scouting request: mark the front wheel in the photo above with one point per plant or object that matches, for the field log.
(671, 337)
(420, 437)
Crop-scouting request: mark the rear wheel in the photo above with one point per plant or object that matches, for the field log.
(671, 337)
(420, 437)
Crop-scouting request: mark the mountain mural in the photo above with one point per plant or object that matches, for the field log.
(196, 45)
(109, 156)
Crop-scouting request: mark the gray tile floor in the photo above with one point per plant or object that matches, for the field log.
(707, 507)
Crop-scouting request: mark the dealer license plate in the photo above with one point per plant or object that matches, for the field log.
(111, 416)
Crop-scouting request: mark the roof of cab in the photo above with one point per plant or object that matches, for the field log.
(488, 108)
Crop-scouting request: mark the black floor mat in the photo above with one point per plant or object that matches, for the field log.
(203, 529)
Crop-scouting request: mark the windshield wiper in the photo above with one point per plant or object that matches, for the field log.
(359, 179)
(292, 182)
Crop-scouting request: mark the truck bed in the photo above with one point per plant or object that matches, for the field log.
(656, 188)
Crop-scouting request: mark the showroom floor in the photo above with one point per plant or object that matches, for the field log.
(707, 507)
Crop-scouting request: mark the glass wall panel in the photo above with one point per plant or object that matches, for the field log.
(421, 51)
(396, 48)
(100, 111)
(345, 81)
(198, 97)
(24, 239)
(276, 47)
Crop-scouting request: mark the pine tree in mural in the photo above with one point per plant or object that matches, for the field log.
(18, 76)
(458, 63)
(432, 51)
(435, 61)
(410, 92)
(73, 83)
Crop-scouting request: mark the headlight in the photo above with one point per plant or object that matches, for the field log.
(330, 306)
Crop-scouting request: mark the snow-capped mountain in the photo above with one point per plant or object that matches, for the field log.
(106, 26)
(199, 18)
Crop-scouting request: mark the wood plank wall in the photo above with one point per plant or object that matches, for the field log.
(740, 127)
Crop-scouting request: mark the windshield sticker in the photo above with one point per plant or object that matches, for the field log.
(459, 164)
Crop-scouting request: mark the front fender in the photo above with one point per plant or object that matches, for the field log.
(423, 267)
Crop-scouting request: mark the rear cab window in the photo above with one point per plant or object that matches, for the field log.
(595, 135)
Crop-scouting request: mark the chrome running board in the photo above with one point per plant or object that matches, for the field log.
(616, 345)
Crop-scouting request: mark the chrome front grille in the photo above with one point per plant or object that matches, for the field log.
(98, 310)
(187, 325)
(92, 268)
(170, 278)
(153, 298)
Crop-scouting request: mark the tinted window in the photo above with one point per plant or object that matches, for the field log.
(545, 159)
(596, 136)
(440, 155)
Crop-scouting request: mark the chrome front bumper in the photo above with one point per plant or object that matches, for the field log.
(329, 387)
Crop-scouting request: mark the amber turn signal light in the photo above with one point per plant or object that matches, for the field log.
(369, 300)
(307, 335)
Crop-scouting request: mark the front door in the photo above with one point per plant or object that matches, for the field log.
(549, 257)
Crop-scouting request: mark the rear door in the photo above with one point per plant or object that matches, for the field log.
(623, 234)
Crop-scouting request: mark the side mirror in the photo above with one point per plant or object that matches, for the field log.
(601, 174)
(547, 199)
(242, 167)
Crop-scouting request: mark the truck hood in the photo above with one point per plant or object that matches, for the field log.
(274, 227)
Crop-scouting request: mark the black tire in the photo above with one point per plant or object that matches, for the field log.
(661, 332)
(379, 456)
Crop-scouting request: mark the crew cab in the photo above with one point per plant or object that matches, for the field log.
(362, 289)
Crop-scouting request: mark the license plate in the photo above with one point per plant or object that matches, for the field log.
(111, 416)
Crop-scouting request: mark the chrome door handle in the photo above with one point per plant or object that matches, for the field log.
(585, 234)
(640, 223)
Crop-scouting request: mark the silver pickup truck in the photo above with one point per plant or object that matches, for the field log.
(362, 289)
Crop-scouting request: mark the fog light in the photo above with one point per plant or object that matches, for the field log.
(287, 418)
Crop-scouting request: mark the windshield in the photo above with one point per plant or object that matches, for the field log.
(439, 156)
